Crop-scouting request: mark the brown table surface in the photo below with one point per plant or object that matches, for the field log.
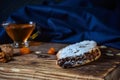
(43, 66)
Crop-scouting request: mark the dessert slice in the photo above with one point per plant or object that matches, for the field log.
(78, 54)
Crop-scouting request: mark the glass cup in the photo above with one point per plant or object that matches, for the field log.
(19, 32)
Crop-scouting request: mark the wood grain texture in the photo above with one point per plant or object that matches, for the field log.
(43, 66)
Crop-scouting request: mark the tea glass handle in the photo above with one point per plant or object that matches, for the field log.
(32, 37)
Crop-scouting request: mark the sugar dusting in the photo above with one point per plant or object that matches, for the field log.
(76, 49)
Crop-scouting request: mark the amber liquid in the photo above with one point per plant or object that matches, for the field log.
(19, 32)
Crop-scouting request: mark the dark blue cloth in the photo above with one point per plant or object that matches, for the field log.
(73, 21)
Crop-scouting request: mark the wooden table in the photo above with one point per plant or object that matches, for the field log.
(41, 66)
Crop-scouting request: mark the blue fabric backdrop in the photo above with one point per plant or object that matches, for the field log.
(72, 21)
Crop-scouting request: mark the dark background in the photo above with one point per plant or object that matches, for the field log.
(9, 6)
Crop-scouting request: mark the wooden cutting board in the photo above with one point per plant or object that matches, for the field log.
(41, 66)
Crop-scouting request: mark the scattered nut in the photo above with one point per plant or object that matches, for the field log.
(118, 54)
(103, 47)
(109, 54)
(6, 53)
(109, 51)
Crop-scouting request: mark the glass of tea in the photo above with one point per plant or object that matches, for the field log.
(19, 32)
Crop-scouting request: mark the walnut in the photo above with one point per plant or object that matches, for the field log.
(6, 53)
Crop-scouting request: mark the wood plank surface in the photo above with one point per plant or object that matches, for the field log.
(43, 66)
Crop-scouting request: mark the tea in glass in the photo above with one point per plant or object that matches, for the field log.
(19, 33)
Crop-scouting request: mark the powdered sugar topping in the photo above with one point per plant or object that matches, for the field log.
(76, 49)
